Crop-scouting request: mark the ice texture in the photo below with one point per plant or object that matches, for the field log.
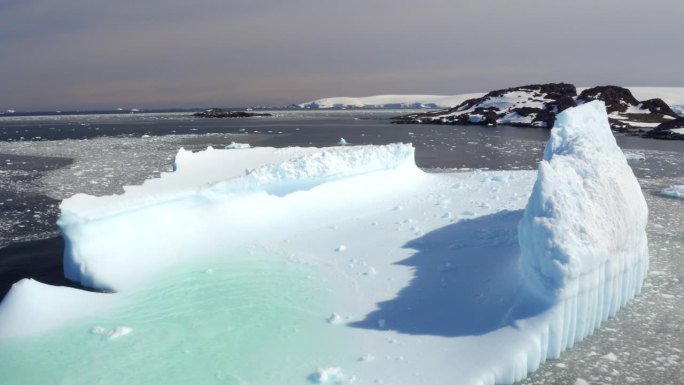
(583, 237)
(105, 236)
(676, 191)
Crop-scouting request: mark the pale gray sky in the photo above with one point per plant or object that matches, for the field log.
(65, 54)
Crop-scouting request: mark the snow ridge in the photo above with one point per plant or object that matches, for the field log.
(102, 233)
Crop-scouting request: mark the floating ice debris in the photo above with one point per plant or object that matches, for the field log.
(580, 381)
(367, 358)
(334, 318)
(342, 142)
(674, 191)
(237, 146)
(97, 330)
(327, 375)
(610, 357)
(635, 156)
(118, 331)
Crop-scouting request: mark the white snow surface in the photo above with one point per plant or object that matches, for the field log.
(391, 101)
(442, 276)
(32, 307)
(236, 179)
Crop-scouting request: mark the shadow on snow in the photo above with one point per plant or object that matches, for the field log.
(466, 282)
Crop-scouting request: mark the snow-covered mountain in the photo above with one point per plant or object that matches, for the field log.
(537, 105)
(389, 101)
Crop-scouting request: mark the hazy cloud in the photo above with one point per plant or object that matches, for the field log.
(94, 53)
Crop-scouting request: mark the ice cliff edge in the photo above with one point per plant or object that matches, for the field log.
(583, 233)
(214, 199)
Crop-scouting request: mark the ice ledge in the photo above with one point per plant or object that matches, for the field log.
(274, 170)
(582, 236)
(214, 199)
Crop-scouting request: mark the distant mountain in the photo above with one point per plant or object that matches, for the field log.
(388, 101)
(536, 105)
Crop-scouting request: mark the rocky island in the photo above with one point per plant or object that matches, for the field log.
(537, 106)
(221, 113)
(673, 130)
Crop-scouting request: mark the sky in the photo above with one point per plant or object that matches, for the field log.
(87, 54)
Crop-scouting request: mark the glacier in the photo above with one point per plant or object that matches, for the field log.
(215, 271)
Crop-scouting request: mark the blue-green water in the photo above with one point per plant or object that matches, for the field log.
(241, 318)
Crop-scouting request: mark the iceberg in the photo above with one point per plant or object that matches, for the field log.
(375, 270)
(583, 234)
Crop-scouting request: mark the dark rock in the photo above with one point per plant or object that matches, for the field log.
(658, 106)
(537, 105)
(220, 113)
(554, 97)
(616, 98)
(663, 131)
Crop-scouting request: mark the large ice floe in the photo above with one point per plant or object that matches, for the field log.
(343, 265)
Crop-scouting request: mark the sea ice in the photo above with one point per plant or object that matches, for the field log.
(234, 145)
(635, 156)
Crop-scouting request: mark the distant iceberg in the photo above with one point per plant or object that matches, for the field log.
(408, 277)
(388, 101)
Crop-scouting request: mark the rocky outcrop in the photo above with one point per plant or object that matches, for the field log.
(220, 113)
(533, 105)
(672, 130)
(625, 112)
(537, 105)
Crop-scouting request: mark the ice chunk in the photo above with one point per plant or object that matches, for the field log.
(583, 234)
(234, 145)
(635, 156)
(327, 375)
(334, 318)
(119, 331)
(674, 191)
